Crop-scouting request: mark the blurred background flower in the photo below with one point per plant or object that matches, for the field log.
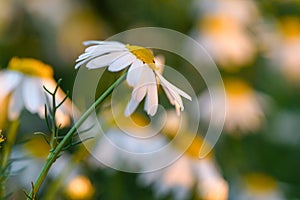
(256, 46)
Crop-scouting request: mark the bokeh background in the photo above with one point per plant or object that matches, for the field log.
(256, 46)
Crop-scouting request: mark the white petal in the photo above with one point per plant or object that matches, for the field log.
(65, 110)
(172, 87)
(8, 81)
(121, 62)
(131, 107)
(90, 42)
(15, 104)
(102, 49)
(139, 92)
(104, 60)
(134, 72)
(151, 102)
(86, 57)
(62, 119)
(174, 98)
(32, 94)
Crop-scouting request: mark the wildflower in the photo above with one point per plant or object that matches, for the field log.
(283, 46)
(122, 150)
(181, 176)
(23, 83)
(143, 73)
(227, 42)
(259, 186)
(29, 158)
(244, 107)
(223, 30)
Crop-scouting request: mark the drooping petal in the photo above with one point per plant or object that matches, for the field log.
(134, 73)
(32, 94)
(104, 60)
(9, 81)
(65, 110)
(131, 107)
(173, 97)
(151, 103)
(172, 87)
(139, 92)
(16, 104)
(121, 62)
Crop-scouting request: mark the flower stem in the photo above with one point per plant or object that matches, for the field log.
(55, 153)
(4, 163)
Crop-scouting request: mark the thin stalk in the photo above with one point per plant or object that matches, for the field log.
(54, 187)
(55, 153)
(10, 140)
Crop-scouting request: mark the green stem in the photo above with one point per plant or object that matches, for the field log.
(55, 153)
(10, 140)
(54, 187)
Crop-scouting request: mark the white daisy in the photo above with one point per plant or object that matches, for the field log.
(143, 74)
(244, 107)
(22, 82)
(283, 47)
(180, 178)
(257, 186)
(177, 178)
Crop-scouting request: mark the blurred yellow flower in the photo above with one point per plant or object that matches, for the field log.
(80, 188)
(228, 43)
(286, 53)
(22, 82)
(259, 186)
(244, 107)
(223, 30)
(181, 176)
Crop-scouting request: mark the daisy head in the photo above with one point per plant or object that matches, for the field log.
(287, 51)
(22, 84)
(259, 186)
(244, 107)
(144, 73)
(227, 41)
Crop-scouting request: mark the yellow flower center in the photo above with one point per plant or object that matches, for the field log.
(290, 27)
(30, 67)
(143, 54)
(236, 87)
(260, 183)
(2, 139)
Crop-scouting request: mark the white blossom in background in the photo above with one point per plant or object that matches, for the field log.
(143, 73)
(180, 177)
(244, 107)
(223, 31)
(281, 42)
(22, 82)
(258, 186)
(29, 159)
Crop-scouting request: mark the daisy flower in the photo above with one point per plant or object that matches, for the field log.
(188, 171)
(22, 82)
(223, 31)
(143, 73)
(258, 186)
(283, 46)
(244, 107)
